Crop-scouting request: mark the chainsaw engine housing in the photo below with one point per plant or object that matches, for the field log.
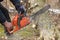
(18, 24)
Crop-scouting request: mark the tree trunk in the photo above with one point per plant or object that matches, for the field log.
(53, 3)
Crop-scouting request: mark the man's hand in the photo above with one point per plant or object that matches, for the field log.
(7, 24)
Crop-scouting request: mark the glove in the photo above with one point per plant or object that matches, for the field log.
(22, 10)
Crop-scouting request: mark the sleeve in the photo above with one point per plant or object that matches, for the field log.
(2, 17)
(1, 0)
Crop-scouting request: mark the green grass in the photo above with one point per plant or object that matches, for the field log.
(1, 31)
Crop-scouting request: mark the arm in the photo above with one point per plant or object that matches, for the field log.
(18, 6)
(2, 17)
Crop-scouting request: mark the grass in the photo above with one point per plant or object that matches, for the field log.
(1, 31)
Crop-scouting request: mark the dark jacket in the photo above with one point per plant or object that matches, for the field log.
(1, 0)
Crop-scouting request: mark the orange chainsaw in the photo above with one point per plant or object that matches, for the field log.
(20, 21)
